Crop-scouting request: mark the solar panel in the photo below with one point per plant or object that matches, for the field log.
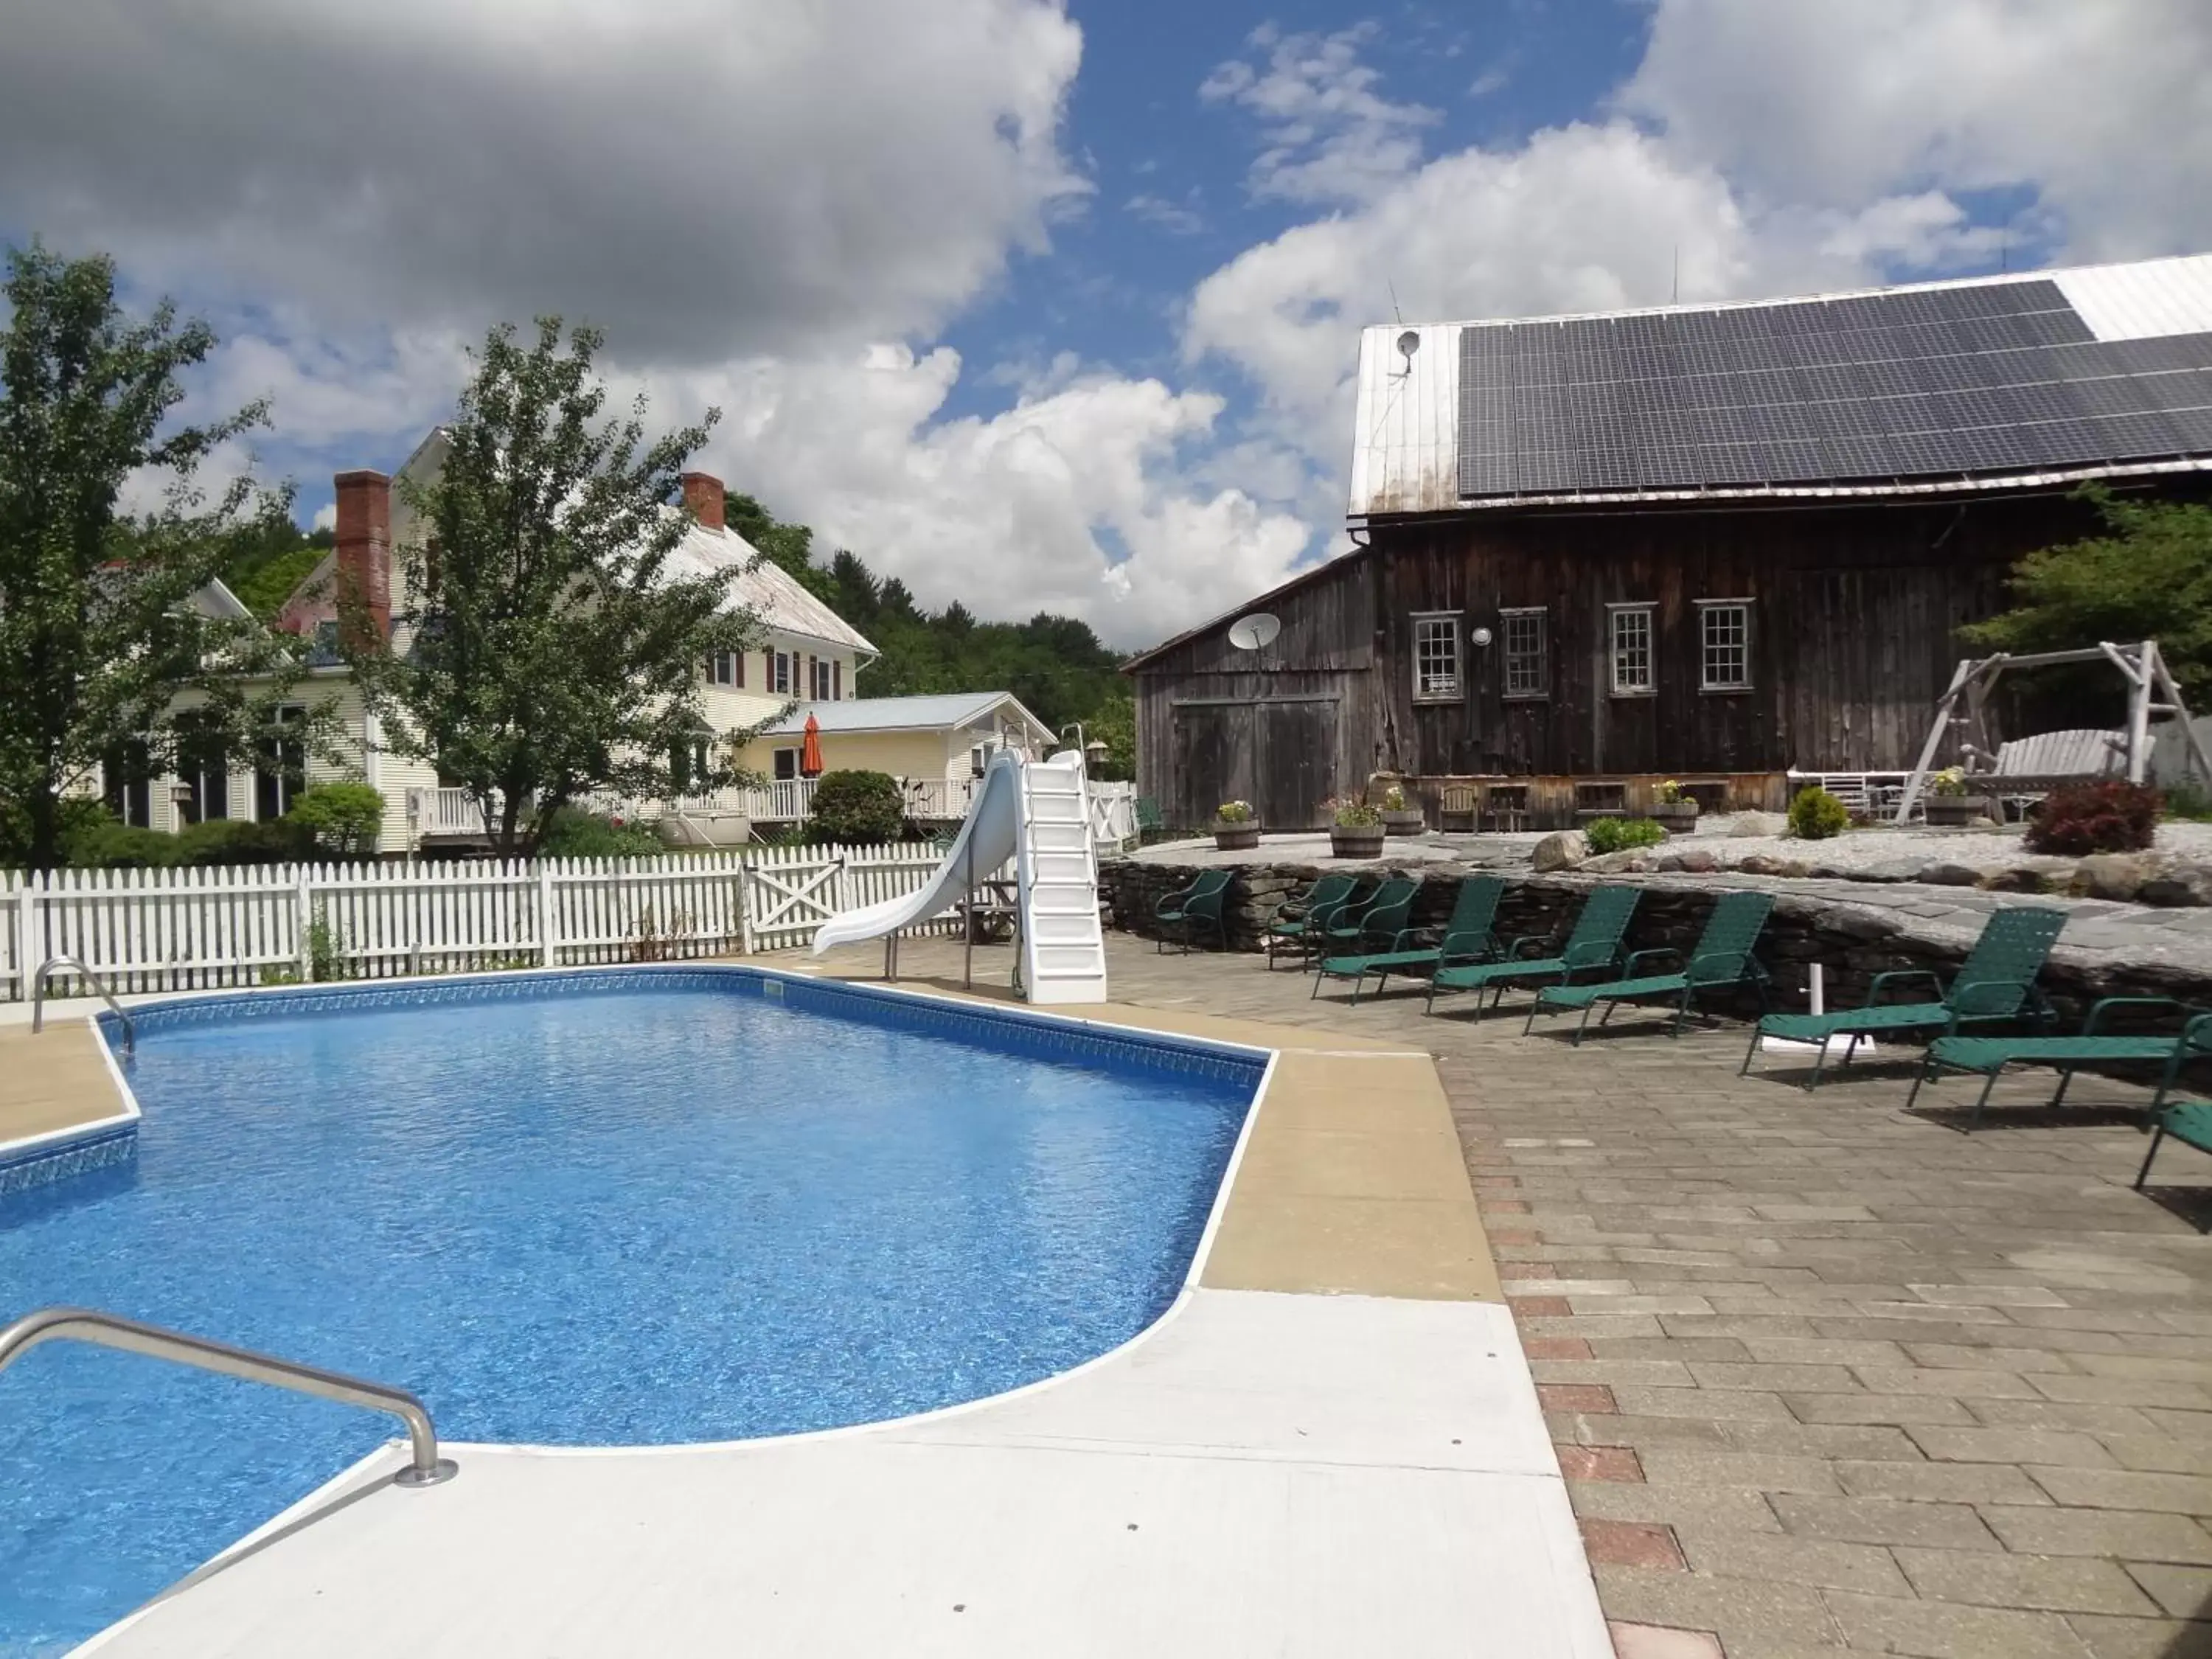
(1988, 378)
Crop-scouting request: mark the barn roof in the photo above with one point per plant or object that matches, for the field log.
(1982, 383)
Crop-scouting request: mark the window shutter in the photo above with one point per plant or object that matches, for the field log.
(837, 681)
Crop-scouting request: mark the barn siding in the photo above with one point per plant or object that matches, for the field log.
(1855, 611)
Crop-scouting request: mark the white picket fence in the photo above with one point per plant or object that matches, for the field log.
(173, 930)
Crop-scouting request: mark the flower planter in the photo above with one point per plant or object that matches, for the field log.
(1955, 812)
(1676, 817)
(1408, 822)
(1357, 841)
(1238, 838)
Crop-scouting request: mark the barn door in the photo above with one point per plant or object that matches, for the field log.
(1213, 762)
(1298, 763)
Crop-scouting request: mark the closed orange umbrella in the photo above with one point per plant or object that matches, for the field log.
(809, 751)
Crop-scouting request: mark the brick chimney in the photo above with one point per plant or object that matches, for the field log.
(364, 547)
(702, 498)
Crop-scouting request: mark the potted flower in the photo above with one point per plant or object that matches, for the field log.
(1400, 816)
(1236, 827)
(1673, 810)
(1947, 805)
(1355, 830)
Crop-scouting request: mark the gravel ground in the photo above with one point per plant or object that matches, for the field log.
(1860, 849)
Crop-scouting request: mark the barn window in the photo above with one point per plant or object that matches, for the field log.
(1528, 665)
(1724, 645)
(1436, 655)
(1630, 626)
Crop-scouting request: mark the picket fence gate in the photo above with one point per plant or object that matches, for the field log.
(203, 929)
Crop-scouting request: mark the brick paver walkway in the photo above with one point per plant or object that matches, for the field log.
(1825, 1378)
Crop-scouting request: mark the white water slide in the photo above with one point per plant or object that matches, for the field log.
(1038, 814)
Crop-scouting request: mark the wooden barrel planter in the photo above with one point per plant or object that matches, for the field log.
(1406, 821)
(1677, 817)
(1356, 841)
(1240, 836)
(1955, 812)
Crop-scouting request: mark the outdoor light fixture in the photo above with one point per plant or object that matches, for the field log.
(1481, 636)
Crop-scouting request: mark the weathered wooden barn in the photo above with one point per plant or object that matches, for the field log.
(1711, 544)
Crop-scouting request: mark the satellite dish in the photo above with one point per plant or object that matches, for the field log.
(1408, 343)
(1252, 632)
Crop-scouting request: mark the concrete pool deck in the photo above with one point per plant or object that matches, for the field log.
(1332, 1445)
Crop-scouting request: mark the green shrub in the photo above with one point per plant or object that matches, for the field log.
(857, 809)
(1816, 815)
(236, 840)
(1616, 834)
(341, 819)
(2109, 815)
(572, 833)
(80, 814)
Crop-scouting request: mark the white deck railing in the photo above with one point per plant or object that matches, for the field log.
(179, 930)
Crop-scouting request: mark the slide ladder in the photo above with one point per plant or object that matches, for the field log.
(1037, 814)
(1063, 950)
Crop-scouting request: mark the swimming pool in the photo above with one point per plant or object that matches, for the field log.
(613, 1208)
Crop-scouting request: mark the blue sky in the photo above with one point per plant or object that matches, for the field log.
(1046, 306)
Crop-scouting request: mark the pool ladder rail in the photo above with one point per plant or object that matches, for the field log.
(53, 965)
(106, 1330)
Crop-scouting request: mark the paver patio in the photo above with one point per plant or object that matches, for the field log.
(1824, 1377)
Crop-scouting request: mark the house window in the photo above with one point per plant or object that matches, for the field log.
(726, 668)
(279, 764)
(127, 784)
(979, 758)
(1724, 645)
(688, 764)
(204, 766)
(1630, 626)
(785, 762)
(1528, 664)
(1436, 656)
(779, 672)
(818, 673)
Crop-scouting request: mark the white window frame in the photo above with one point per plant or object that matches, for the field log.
(1510, 653)
(818, 673)
(779, 672)
(776, 764)
(722, 668)
(1618, 621)
(1707, 611)
(1448, 685)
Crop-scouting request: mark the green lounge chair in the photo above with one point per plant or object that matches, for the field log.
(1188, 910)
(1286, 933)
(1467, 938)
(1593, 946)
(1996, 982)
(1720, 960)
(1150, 826)
(1351, 925)
(1988, 1056)
(2188, 1121)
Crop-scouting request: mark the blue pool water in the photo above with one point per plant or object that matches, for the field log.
(613, 1209)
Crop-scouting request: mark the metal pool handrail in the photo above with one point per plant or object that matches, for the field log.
(108, 1330)
(54, 964)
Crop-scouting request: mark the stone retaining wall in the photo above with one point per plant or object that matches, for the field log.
(1854, 944)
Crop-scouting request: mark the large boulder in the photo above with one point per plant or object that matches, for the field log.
(1563, 849)
(2117, 876)
(1628, 861)
(2179, 884)
(1759, 824)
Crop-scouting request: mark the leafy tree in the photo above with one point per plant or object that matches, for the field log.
(2149, 576)
(99, 634)
(267, 559)
(554, 651)
(1113, 723)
